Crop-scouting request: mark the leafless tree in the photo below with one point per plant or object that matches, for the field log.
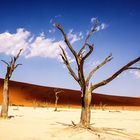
(86, 86)
(11, 66)
(57, 91)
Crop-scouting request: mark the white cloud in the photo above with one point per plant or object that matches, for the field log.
(74, 37)
(101, 26)
(136, 73)
(11, 43)
(51, 30)
(46, 47)
(93, 19)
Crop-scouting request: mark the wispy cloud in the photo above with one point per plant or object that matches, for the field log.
(93, 63)
(52, 30)
(100, 26)
(52, 23)
(136, 73)
(93, 19)
(74, 37)
(52, 20)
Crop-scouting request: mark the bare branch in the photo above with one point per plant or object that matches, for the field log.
(107, 59)
(11, 65)
(64, 54)
(5, 62)
(126, 67)
(12, 60)
(66, 62)
(17, 65)
(58, 91)
(17, 56)
(67, 40)
(89, 52)
(88, 36)
(134, 68)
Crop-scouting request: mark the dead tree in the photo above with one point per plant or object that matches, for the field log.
(86, 86)
(11, 66)
(56, 97)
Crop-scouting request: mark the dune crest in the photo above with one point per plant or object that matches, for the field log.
(28, 94)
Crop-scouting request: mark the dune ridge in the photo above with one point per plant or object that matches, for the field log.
(28, 94)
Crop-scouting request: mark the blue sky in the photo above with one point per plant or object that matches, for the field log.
(41, 65)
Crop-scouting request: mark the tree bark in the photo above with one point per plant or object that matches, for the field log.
(86, 110)
(56, 101)
(5, 103)
(11, 66)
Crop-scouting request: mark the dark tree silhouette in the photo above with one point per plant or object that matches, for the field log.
(11, 66)
(86, 86)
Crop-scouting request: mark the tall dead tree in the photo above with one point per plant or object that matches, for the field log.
(86, 86)
(56, 91)
(11, 66)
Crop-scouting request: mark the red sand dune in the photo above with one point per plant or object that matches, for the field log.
(29, 95)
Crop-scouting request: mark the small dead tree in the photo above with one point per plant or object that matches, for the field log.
(11, 66)
(86, 86)
(56, 91)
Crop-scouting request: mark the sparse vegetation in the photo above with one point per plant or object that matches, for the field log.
(102, 106)
(40, 104)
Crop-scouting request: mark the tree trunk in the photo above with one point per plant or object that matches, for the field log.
(56, 101)
(86, 111)
(5, 102)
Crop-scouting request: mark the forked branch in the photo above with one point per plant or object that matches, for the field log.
(126, 67)
(11, 65)
(94, 29)
(58, 91)
(67, 63)
(89, 52)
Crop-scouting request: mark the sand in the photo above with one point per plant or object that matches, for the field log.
(26, 94)
(27, 123)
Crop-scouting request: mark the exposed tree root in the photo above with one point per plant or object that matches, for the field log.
(6, 118)
(103, 130)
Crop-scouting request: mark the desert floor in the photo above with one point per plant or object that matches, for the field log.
(27, 123)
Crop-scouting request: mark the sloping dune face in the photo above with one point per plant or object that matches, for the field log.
(31, 95)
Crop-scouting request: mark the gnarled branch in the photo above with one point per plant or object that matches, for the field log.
(11, 65)
(89, 35)
(17, 56)
(107, 59)
(5, 62)
(89, 52)
(80, 67)
(126, 67)
(67, 40)
(66, 62)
